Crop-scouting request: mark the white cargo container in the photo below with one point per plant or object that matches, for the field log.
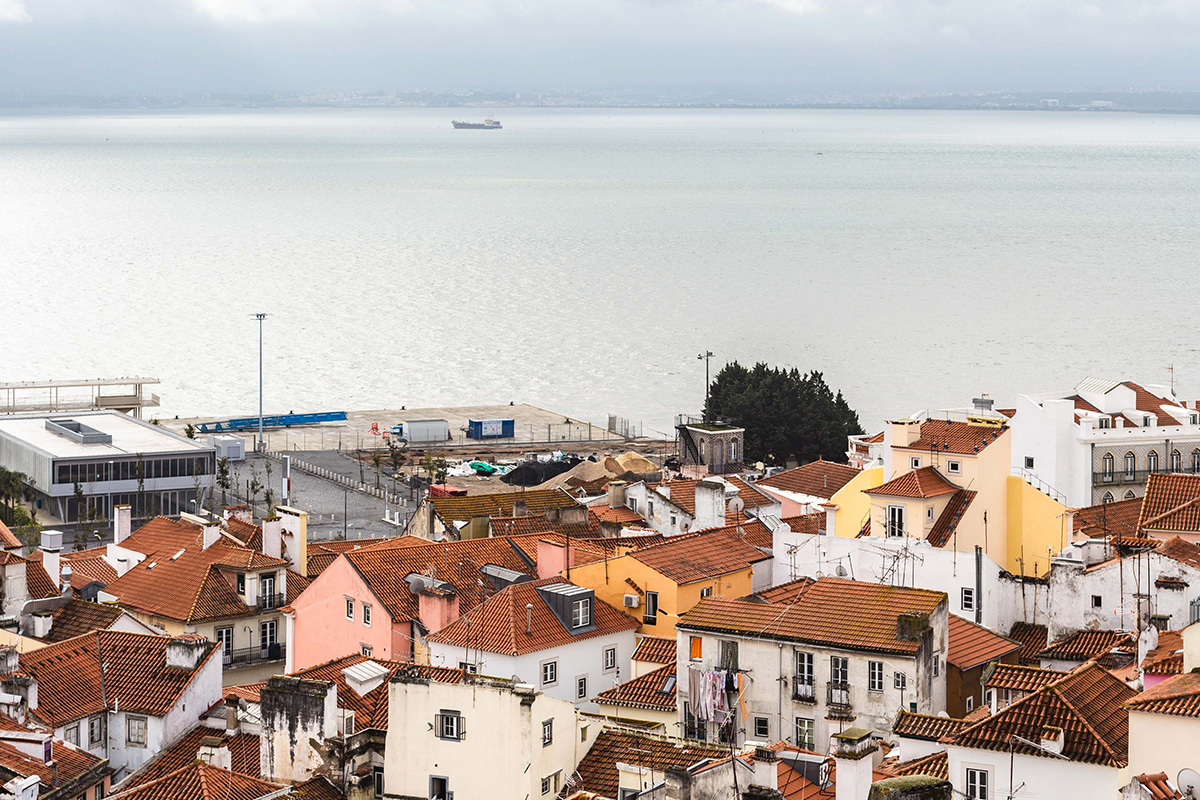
(228, 446)
(419, 431)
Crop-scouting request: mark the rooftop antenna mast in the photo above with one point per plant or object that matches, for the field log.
(1171, 370)
(260, 317)
(706, 356)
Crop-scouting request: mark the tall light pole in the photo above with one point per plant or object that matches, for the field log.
(705, 357)
(260, 317)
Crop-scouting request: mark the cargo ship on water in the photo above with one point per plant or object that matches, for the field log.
(488, 124)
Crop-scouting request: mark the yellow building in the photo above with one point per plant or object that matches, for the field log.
(658, 584)
(949, 482)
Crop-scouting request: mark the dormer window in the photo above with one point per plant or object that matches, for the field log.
(1146, 421)
(1194, 419)
(581, 613)
(1105, 422)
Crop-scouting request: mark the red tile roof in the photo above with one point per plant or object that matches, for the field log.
(952, 436)
(1032, 637)
(498, 625)
(72, 763)
(925, 726)
(1019, 678)
(1086, 704)
(655, 650)
(806, 523)
(38, 582)
(1167, 657)
(540, 523)
(788, 592)
(837, 612)
(318, 788)
(971, 645)
(935, 765)
(924, 482)
(708, 554)
(1153, 404)
(499, 504)
(1178, 696)
(243, 752)
(1084, 645)
(947, 523)
(816, 479)
(597, 771)
(86, 566)
(1172, 503)
(8, 540)
(1118, 518)
(622, 515)
(135, 674)
(79, 617)
(199, 781)
(654, 691)
(1159, 786)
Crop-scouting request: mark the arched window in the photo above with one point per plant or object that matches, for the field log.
(1130, 466)
(1176, 461)
(1108, 498)
(1108, 466)
(1129, 495)
(701, 449)
(733, 449)
(1196, 461)
(1152, 461)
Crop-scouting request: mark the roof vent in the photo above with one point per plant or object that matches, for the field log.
(77, 432)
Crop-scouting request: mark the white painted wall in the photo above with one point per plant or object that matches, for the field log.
(584, 657)
(1038, 776)
(1162, 743)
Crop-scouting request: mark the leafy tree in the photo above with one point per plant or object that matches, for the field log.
(786, 413)
(26, 527)
(377, 462)
(189, 431)
(254, 486)
(223, 479)
(397, 455)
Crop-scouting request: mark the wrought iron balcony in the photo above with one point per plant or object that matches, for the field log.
(269, 601)
(803, 692)
(1119, 475)
(275, 651)
(838, 699)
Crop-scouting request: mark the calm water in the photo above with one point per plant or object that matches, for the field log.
(580, 259)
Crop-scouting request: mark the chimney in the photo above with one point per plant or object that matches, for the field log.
(710, 504)
(616, 493)
(1052, 738)
(573, 515)
(299, 717)
(520, 509)
(122, 522)
(215, 752)
(241, 512)
(853, 753)
(65, 574)
(905, 431)
(437, 607)
(211, 528)
(186, 651)
(553, 558)
(272, 536)
(529, 619)
(9, 660)
(910, 625)
(912, 787)
(610, 529)
(42, 621)
(233, 724)
(295, 537)
(51, 548)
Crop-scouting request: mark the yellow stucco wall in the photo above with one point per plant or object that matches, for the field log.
(1037, 528)
(610, 586)
(853, 506)
(24, 644)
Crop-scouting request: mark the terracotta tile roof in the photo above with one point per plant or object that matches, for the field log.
(322, 554)
(925, 726)
(836, 612)
(1118, 518)
(1021, 678)
(163, 533)
(318, 788)
(71, 763)
(499, 504)
(8, 540)
(603, 512)
(654, 691)
(1153, 404)
(750, 496)
(135, 674)
(1084, 645)
(243, 752)
(199, 781)
(597, 771)
(795, 785)
(971, 645)
(1167, 657)
(1180, 550)
(788, 592)
(655, 650)
(750, 530)
(708, 554)
(1159, 786)
(1033, 639)
(1178, 696)
(38, 582)
(952, 436)
(806, 523)
(1172, 503)
(79, 617)
(498, 625)
(816, 479)
(935, 765)
(924, 482)
(682, 493)
(371, 710)
(86, 566)
(1087, 705)
(538, 523)
(947, 523)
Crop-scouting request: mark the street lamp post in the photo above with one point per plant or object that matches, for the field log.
(706, 356)
(260, 317)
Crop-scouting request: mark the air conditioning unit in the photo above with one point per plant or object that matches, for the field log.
(632, 601)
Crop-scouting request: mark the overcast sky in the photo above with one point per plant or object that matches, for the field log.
(102, 46)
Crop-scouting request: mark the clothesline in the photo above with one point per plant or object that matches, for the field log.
(709, 690)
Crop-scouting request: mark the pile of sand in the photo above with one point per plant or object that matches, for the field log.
(583, 471)
(632, 462)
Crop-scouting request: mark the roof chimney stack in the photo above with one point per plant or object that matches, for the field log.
(529, 619)
(122, 522)
(51, 549)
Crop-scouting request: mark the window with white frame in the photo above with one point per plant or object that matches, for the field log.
(135, 731)
(366, 649)
(967, 598)
(804, 668)
(545, 786)
(581, 691)
(954, 467)
(71, 734)
(350, 608)
(762, 728)
(650, 507)
(970, 704)
(900, 681)
(1105, 422)
(706, 592)
(1107, 466)
(581, 613)
(929, 513)
(610, 658)
(895, 520)
(1130, 466)
(450, 725)
(915, 462)
(805, 733)
(650, 615)
(874, 676)
(632, 504)
(839, 669)
(467, 666)
(937, 666)
(547, 732)
(366, 609)
(977, 783)
(1152, 461)
(549, 673)
(95, 730)
(1176, 461)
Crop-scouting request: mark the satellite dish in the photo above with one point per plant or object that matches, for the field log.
(1188, 782)
(736, 505)
(841, 571)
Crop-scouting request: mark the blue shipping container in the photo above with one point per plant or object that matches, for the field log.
(490, 429)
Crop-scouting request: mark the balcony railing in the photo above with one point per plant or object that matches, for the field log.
(244, 656)
(838, 698)
(269, 601)
(728, 468)
(803, 692)
(1120, 475)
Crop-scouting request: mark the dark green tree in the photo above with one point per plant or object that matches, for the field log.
(786, 413)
